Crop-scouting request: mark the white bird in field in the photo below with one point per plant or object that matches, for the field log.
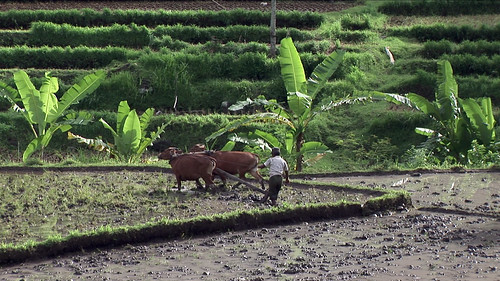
(388, 52)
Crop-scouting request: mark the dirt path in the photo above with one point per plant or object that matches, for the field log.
(453, 233)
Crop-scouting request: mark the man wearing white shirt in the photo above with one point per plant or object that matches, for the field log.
(277, 168)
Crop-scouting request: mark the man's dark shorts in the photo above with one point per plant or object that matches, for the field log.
(275, 183)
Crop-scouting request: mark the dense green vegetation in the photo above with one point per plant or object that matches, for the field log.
(176, 65)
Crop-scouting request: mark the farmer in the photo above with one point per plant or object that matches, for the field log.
(277, 168)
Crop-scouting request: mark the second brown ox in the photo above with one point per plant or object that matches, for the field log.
(233, 162)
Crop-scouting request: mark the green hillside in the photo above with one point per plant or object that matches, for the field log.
(194, 62)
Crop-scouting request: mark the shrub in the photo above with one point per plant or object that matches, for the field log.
(355, 22)
(435, 49)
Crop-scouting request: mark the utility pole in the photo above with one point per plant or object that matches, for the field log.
(272, 51)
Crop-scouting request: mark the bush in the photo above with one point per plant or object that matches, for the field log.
(355, 22)
(435, 49)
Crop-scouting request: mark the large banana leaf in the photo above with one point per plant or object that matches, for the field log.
(228, 146)
(447, 92)
(269, 138)
(425, 106)
(107, 126)
(130, 139)
(80, 90)
(11, 94)
(121, 116)
(259, 101)
(481, 118)
(300, 104)
(313, 147)
(31, 99)
(145, 119)
(49, 100)
(97, 144)
(411, 100)
(145, 142)
(425, 132)
(251, 140)
(323, 71)
(42, 141)
(291, 67)
(259, 117)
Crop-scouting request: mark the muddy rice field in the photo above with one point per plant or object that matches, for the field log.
(452, 232)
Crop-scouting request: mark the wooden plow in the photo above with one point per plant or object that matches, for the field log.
(229, 176)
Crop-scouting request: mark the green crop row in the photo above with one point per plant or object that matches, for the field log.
(440, 7)
(22, 19)
(453, 33)
(463, 65)
(236, 33)
(233, 66)
(468, 64)
(66, 58)
(435, 49)
(134, 36)
(196, 81)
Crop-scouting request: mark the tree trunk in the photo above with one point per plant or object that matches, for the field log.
(298, 145)
(272, 50)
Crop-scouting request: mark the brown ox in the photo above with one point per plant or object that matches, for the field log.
(190, 166)
(237, 162)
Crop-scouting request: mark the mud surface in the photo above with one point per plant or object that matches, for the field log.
(312, 6)
(451, 233)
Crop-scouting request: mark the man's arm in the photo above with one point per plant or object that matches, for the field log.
(286, 177)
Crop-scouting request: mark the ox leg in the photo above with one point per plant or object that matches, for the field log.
(222, 177)
(198, 184)
(179, 187)
(208, 182)
(256, 175)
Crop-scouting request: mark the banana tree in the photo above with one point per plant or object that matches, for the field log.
(130, 136)
(301, 93)
(458, 121)
(41, 108)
